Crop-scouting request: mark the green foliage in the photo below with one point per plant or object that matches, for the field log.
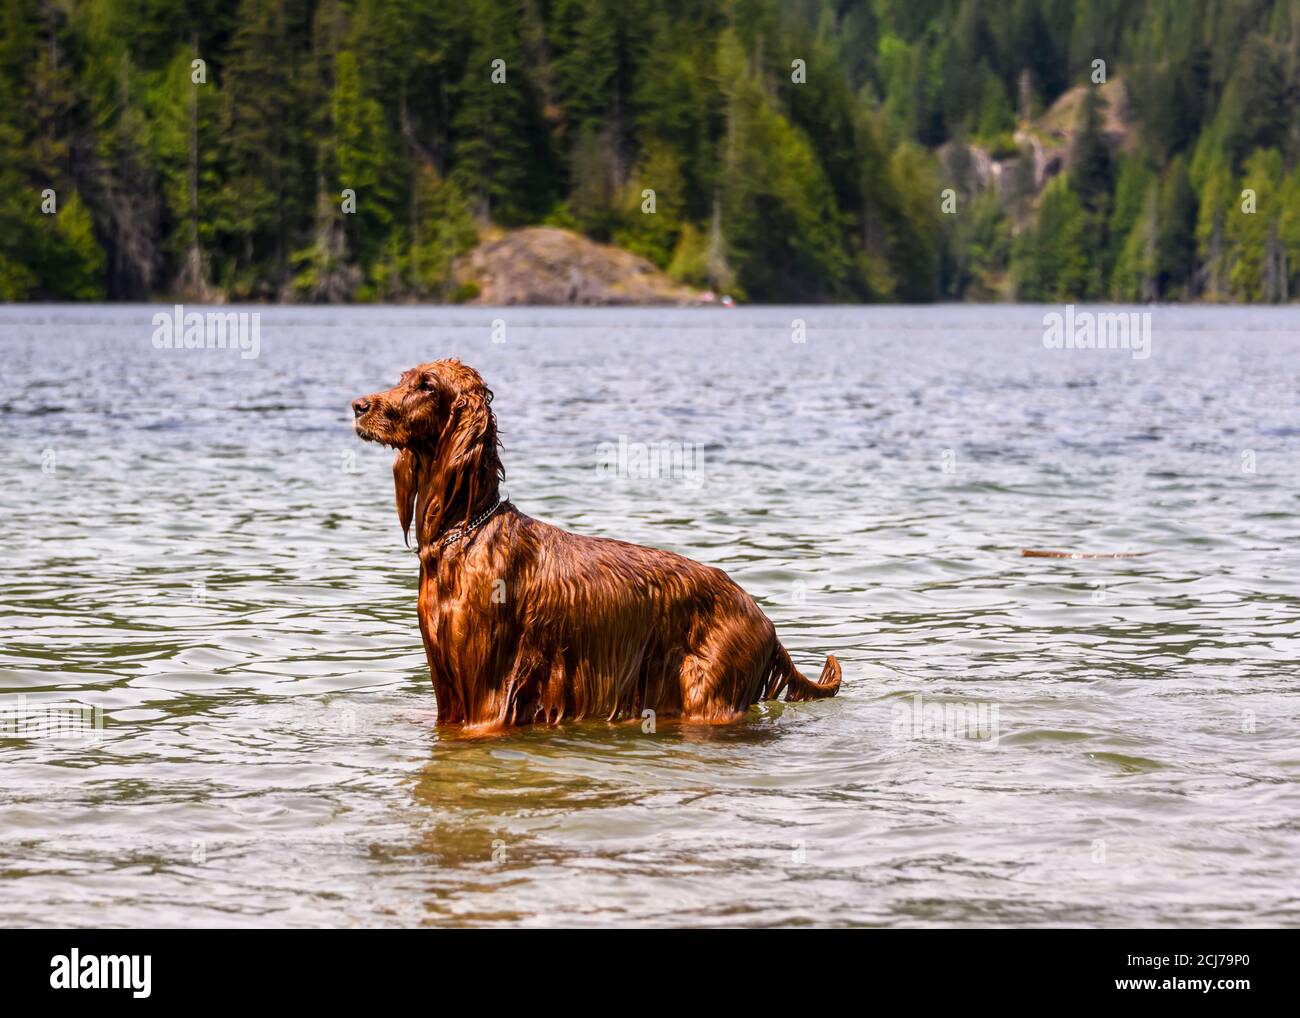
(586, 62)
(1049, 262)
(653, 235)
(1135, 267)
(18, 211)
(782, 225)
(1134, 180)
(1092, 180)
(1216, 204)
(1253, 236)
(1256, 110)
(183, 139)
(66, 257)
(363, 158)
(995, 118)
(822, 188)
(690, 260)
(914, 244)
(443, 229)
(593, 185)
(981, 249)
(494, 129)
(1176, 235)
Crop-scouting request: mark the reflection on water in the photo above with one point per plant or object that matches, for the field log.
(197, 545)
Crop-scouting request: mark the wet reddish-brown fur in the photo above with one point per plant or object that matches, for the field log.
(524, 622)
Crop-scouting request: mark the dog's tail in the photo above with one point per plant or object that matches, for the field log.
(786, 677)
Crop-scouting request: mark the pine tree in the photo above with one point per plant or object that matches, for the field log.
(1050, 260)
(586, 63)
(1176, 240)
(1092, 180)
(499, 157)
(268, 197)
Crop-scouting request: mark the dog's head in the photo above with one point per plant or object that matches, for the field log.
(439, 419)
(418, 412)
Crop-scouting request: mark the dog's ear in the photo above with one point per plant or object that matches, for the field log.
(465, 463)
(474, 428)
(404, 485)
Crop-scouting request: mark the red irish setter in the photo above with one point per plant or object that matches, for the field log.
(524, 622)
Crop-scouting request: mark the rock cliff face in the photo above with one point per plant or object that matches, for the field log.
(546, 265)
(1044, 146)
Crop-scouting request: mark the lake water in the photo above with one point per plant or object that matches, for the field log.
(196, 544)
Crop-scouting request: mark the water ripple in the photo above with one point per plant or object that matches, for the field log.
(198, 546)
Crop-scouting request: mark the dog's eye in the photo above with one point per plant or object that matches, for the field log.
(426, 385)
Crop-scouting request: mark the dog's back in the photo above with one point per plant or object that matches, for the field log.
(593, 627)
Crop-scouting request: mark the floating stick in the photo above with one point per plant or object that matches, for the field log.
(1047, 553)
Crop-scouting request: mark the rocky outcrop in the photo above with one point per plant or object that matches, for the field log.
(547, 265)
(1044, 145)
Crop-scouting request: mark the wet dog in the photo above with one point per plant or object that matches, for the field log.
(526, 623)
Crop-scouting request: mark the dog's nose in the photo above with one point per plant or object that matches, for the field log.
(360, 406)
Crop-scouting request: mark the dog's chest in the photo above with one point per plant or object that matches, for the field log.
(459, 609)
